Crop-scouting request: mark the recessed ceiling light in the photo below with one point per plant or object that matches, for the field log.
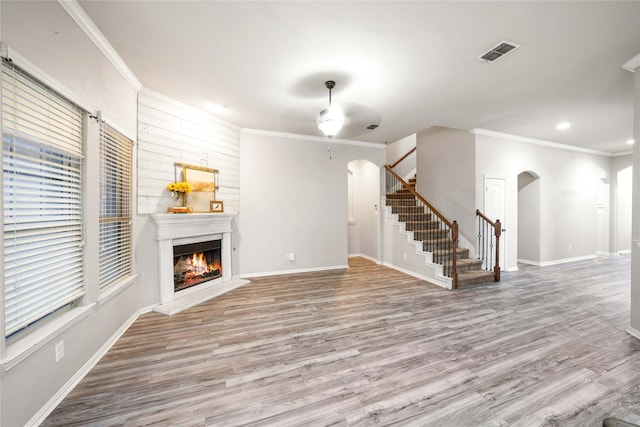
(630, 141)
(563, 125)
(216, 108)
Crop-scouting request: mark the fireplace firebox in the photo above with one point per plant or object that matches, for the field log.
(195, 263)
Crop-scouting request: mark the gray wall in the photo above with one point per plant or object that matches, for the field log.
(446, 175)
(294, 198)
(397, 150)
(44, 33)
(568, 194)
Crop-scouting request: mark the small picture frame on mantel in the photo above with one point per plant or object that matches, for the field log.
(216, 206)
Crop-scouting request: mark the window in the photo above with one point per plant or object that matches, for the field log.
(42, 154)
(115, 206)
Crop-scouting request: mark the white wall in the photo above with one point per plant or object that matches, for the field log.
(365, 226)
(446, 174)
(45, 35)
(568, 194)
(294, 198)
(171, 132)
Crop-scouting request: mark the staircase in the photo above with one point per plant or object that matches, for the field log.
(435, 239)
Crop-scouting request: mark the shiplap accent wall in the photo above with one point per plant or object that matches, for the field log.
(169, 132)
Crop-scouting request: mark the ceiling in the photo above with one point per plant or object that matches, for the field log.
(406, 66)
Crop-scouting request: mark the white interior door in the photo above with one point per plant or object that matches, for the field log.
(495, 208)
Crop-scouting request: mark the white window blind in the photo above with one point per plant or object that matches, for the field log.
(42, 137)
(115, 206)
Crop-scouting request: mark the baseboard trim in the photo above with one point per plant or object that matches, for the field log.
(603, 253)
(529, 262)
(556, 261)
(48, 408)
(565, 260)
(365, 257)
(431, 280)
(633, 332)
(300, 270)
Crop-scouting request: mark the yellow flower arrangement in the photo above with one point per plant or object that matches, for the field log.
(179, 187)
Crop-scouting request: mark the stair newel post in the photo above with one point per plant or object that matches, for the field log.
(454, 255)
(498, 232)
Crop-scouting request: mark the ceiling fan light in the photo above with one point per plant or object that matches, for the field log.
(330, 121)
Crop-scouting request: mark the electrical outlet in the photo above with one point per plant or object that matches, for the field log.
(570, 247)
(404, 256)
(59, 351)
(286, 257)
(292, 256)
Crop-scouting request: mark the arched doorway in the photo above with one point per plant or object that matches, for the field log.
(529, 218)
(363, 209)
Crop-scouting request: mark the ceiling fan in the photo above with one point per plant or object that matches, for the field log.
(331, 119)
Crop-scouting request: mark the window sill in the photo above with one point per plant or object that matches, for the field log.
(28, 345)
(116, 288)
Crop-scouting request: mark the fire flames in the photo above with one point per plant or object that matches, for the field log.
(194, 269)
(199, 264)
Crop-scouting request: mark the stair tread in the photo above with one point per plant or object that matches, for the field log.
(466, 262)
(475, 277)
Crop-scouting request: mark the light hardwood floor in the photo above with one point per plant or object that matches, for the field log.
(372, 346)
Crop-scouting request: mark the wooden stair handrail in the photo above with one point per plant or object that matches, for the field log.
(486, 218)
(497, 230)
(403, 157)
(419, 197)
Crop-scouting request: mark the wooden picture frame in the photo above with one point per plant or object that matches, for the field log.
(204, 183)
(216, 206)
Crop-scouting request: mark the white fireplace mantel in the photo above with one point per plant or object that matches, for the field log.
(175, 226)
(176, 229)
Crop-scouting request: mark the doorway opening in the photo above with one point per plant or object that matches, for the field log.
(363, 212)
(529, 218)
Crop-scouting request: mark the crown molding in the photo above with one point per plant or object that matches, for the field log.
(633, 64)
(188, 108)
(313, 138)
(623, 153)
(543, 143)
(77, 13)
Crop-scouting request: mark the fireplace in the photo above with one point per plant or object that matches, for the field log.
(179, 235)
(196, 263)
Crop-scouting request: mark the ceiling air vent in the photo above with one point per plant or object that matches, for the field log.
(498, 51)
(371, 127)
